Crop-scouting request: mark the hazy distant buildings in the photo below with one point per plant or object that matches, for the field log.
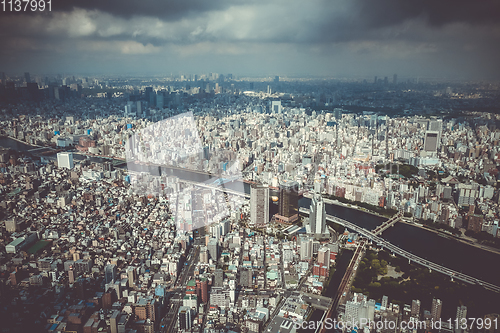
(259, 205)
(65, 160)
(288, 202)
(337, 113)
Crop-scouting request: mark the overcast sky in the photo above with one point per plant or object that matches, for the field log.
(425, 38)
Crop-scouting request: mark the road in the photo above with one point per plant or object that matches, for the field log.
(170, 319)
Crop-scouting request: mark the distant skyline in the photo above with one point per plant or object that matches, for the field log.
(342, 38)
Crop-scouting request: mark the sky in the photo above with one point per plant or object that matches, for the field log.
(457, 39)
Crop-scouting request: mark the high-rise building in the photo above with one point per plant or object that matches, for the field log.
(317, 216)
(65, 160)
(204, 290)
(431, 142)
(113, 321)
(306, 247)
(337, 112)
(131, 275)
(213, 249)
(27, 78)
(288, 205)
(160, 100)
(385, 302)
(461, 314)
(395, 79)
(110, 273)
(415, 308)
(246, 277)
(324, 256)
(276, 107)
(436, 307)
(218, 278)
(436, 125)
(259, 205)
(139, 108)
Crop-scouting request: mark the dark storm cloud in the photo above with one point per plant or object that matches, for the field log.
(374, 32)
(380, 13)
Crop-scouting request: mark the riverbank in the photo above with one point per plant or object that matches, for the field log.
(20, 141)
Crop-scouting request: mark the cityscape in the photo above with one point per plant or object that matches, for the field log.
(191, 167)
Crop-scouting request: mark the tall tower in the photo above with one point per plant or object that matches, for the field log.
(317, 215)
(288, 210)
(259, 205)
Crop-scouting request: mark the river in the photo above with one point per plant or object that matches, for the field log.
(458, 256)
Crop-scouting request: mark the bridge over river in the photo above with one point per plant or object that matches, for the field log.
(375, 239)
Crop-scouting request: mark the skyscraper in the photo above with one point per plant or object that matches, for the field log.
(415, 308)
(65, 160)
(324, 256)
(317, 216)
(395, 79)
(27, 78)
(259, 205)
(160, 100)
(288, 202)
(431, 141)
(276, 107)
(436, 125)
(218, 278)
(213, 249)
(139, 108)
(131, 275)
(184, 319)
(110, 273)
(436, 309)
(204, 290)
